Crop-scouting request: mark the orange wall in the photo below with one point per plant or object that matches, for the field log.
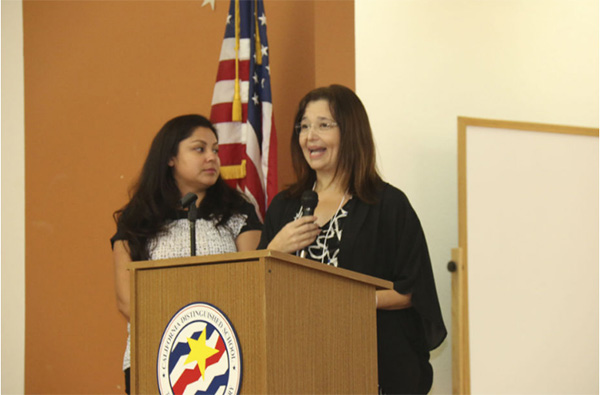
(334, 43)
(101, 77)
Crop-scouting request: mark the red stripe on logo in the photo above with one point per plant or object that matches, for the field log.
(217, 357)
(187, 377)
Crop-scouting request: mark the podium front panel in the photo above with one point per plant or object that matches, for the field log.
(321, 332)
(236, 289)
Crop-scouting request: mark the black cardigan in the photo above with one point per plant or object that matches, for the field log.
(385, 240)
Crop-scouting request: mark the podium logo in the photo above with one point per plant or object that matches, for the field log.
(199, 353)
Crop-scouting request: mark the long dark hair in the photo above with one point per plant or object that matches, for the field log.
(356, 157)
(155, 196)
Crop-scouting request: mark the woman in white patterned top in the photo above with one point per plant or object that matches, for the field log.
(183, 158)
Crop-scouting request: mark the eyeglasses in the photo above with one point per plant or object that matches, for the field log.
(320, 127)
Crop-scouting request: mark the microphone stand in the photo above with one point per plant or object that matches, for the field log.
(192, 215)
(189, 200)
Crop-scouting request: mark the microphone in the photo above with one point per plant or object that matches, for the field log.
(189, 200)
(309, 201)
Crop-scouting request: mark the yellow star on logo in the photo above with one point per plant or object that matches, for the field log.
(200, 352)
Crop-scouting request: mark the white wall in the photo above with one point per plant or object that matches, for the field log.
(13, 200)
(422, 63)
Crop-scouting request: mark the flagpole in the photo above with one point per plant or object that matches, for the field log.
(237, 100)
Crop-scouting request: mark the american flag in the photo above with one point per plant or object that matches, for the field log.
(242, 109)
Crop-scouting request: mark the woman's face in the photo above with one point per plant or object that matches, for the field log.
(319, 137)
(196, 166)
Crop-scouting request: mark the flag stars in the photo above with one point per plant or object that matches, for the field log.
(229, 19)
(255, 98)
(263, 50)
(255, 78)
(263, 19)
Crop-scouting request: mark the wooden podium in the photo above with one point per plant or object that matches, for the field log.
(303, 327)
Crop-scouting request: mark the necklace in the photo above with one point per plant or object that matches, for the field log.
(328, 234)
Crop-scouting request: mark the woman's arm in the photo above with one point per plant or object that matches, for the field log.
(248, 241)
(389, 299)
(121, 258)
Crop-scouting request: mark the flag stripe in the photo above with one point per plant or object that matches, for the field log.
(253, 149)
(229, 133)
(226, 70)
(221, 113)
(228, 49)
(253, 186)
(223, 92)
(271, 188)
(232, 154)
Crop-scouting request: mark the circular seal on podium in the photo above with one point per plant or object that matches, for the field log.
(199, 352)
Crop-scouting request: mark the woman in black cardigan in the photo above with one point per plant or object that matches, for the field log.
(363, 224)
